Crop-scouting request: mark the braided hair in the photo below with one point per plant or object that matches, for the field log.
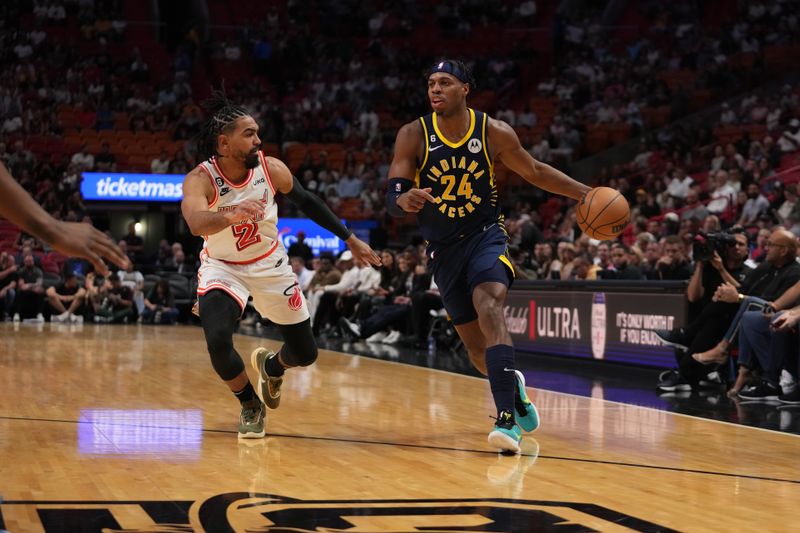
(222, 115)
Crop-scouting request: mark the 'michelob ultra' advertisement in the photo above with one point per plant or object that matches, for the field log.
(613, 326)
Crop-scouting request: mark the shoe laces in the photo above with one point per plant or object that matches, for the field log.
(505, 420)
(251, 413)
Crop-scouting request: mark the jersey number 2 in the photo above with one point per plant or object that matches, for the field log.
(246, 234)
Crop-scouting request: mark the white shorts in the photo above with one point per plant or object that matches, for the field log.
(270, 281)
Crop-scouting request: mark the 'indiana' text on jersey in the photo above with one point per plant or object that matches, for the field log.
(461, 177)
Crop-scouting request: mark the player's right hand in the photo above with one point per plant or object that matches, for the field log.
(249, 209)
(413, 200)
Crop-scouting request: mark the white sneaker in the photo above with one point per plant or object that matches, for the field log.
(392, 337)
(16, 317)
(377, 337)
(76, 319)
(63, 317)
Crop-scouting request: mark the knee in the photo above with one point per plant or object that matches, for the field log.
(307, 356)
(219, 342)
(491, 309)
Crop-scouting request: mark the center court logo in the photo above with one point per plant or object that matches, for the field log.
(240, 511)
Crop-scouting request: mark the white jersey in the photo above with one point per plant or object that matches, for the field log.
(254, 239)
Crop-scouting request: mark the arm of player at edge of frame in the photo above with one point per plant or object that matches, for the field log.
(73, 239)
(508, 149)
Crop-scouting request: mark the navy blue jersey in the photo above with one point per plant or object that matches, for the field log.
(461, 176)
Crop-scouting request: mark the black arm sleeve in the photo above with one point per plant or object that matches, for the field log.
(310, 204)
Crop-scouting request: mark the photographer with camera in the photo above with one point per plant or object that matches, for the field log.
(710, 271)
(707, 338)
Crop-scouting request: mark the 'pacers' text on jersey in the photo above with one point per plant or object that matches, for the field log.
(461, 178)
(253, 239)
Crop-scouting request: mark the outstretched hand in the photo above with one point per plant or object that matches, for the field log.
(362, 251)
(78, 239)
(413, 200)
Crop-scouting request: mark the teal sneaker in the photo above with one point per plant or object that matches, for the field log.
(269, 388)
(506, 433)
(251, 421)
(527, 415)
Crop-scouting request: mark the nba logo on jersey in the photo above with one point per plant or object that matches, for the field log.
(598, 325)
(397, 187)
(474, 146)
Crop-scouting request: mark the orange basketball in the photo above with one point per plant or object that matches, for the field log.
(603, 213)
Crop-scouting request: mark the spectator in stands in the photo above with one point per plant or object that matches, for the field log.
(325, 274)
(680, 184)
(66, 300)
(30, 291)
(789, 141)
(303, 274)
(105, 160)
(566, 255)
(584, 269)
(160, 164)
(8, 284)
(652, 254)
(82, 159)
(723, 196)
(134, 280)
(326, 295)
(299, 248)
(761, 345)
(349, 185)
(603, 258)
(790, 207)
(623, 270)
(117, 304)
(694, 209)
(754, 207)
(159, 305)
(135, 244)
(179, 264)
(673, 265)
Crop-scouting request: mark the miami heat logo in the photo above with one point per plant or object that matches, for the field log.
(295, 301)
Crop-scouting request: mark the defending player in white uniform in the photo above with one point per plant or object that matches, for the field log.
(230, 200)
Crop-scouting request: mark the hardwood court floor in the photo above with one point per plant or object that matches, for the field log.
(127, 427)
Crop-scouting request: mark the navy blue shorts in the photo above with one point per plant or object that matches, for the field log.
(460, 266)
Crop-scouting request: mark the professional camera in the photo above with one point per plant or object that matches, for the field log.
(705, 244)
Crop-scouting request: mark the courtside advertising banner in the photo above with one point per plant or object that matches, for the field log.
(611, 326)
(318, 239)
(123, 187)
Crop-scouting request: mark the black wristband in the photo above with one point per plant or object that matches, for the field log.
(394, 189)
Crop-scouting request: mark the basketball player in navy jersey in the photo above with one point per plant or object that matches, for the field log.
(229, 199)
(443, 170)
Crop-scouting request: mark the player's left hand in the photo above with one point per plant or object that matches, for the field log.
(78, 239)
(362, 251)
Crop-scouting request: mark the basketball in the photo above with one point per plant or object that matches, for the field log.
(603, 213)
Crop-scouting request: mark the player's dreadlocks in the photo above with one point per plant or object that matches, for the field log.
(222, 114)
